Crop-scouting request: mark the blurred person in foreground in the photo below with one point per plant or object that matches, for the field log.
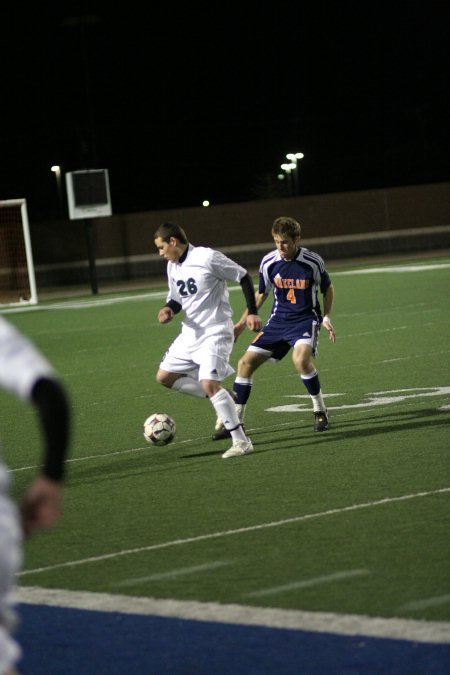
(198, 359)
(26, 374)
(295, 276)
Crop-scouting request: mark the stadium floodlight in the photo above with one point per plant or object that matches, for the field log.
(294, 156)
(17, 280)
(288, 167)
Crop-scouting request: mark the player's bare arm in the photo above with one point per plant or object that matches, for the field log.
(328, 300)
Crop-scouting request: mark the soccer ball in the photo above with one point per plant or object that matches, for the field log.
(159, 429)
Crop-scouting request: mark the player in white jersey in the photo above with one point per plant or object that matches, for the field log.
(295, 276)
(26, 374)
(198, 359)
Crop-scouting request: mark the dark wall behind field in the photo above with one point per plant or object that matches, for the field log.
(124, 243)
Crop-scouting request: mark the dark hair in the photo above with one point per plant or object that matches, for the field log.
(167, 230)
(287, 227)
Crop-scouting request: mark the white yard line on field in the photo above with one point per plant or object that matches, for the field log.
(228, 533)
(306, 583)
(424, 603)
(172, 574)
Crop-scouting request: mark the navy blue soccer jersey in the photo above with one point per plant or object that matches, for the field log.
(295, 283)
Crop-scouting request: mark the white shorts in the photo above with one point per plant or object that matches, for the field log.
(10, 562)
(202, 354)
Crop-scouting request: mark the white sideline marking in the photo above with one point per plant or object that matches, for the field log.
(317, 622)
(153, 295)
(240, 530)
(393, 268)
(88, 303)
(181, 571)
(316, 581)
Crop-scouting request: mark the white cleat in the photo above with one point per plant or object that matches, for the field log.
(238, 448)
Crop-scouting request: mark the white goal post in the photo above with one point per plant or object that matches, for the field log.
(17, 279)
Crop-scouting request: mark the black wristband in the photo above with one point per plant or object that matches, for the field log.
(249, 293)
(174, 306)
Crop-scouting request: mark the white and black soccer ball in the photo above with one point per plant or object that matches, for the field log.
(159, 429)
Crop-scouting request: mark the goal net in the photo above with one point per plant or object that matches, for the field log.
(17, 281)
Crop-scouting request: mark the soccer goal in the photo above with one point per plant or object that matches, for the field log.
(17, 280)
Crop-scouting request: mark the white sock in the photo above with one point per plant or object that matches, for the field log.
(226, 410)
(318, 403)
(187, 385)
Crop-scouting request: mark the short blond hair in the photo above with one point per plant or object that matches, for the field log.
(287, 227)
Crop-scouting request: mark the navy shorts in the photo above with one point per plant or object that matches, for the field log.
(278, 337)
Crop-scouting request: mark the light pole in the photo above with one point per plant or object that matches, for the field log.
(294, 157)
(57, 171)
(289, 168)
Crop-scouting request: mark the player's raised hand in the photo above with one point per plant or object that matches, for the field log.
(329, 327)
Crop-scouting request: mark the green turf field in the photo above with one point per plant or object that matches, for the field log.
(354, 520)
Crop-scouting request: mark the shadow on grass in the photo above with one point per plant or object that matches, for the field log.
(271, 439)
(399, 420)
(163, 460)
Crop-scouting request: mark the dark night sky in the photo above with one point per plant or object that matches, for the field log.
(203, 102)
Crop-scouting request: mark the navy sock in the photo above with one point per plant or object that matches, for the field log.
(312, 384)
(242, 392)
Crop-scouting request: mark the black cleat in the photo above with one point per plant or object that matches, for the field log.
(320, 421)
(221, 434)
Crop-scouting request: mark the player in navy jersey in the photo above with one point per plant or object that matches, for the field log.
(25, 373)
(198, 359)
(297, 277)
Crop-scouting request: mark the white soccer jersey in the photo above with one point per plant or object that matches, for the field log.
(21, 365)
(198, 284)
